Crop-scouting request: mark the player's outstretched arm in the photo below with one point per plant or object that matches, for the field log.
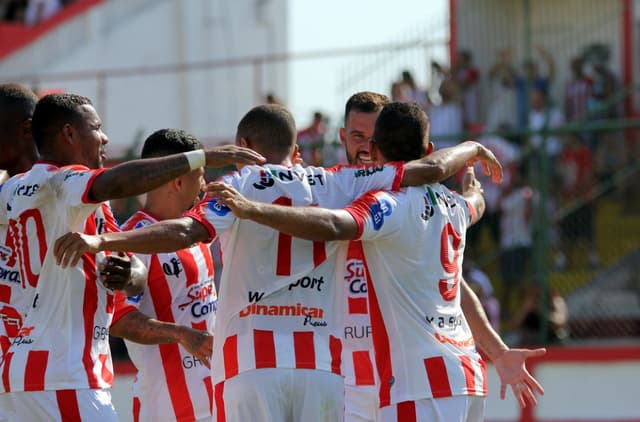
(125, 273)
(472, 192)
(140, 328)
(311, 223)
(139, 176)
(509, 363)
(165, 236)
(444, 163)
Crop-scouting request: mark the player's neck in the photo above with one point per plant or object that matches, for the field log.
(163, 207)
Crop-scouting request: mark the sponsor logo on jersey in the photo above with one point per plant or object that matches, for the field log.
(267, 178)
(23, 336)
(282, 311)
(357, 331)
(173, 267)
(355, 277)
(26, 190)
(378, 210)
(12, 320)
(464, 343)
(368, 171)
(429, 205)
(12, 276)
(201, 300)
(217, 208)
(69, 174)
(308, 283)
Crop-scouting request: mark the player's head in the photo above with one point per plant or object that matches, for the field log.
(360, 114)
(17, 103)
(68, 130)
(270, 130)
(401, 133)
(184, 189)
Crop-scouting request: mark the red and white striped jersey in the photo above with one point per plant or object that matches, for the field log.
(64, 340)
(357, 341)
(413, 244)
(14, 298)
(171, 383)
(281, 307)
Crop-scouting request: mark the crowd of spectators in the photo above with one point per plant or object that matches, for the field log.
(30, 12)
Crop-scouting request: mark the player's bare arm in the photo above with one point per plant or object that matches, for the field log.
(444, 163)
(509, 363)
(311, 223)
(472, 192)
(139, 176)
(165, 236)
(122, 272)
(140, 328)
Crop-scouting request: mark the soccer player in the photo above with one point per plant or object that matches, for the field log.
(277, 347)
(167, 327)
(413, 244)
(59, 364)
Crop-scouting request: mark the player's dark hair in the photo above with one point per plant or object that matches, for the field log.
(270, 127)
(365, 102)
(54, 111)
(164, 142)
(401, 132)
(17, 103)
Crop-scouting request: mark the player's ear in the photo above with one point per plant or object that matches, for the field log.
(244, 143)
(67, 133)
(343, 136)
(430, 148)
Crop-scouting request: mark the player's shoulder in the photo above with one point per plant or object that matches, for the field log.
(138, 220)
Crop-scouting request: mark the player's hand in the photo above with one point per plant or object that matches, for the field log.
(470, 183)
(70, 247)
(115, 271)
(490, 164)
(513, 372)
(231, 154)
(227, 195)
(199, 343)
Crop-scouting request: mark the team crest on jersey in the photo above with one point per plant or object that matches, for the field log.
(378, 210)
(142, 223)
(429, 205)
(217, 208)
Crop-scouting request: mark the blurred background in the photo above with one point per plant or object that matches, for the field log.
(552, 87)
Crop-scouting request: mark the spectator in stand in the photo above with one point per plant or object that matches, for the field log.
(577, 171)
(531, 79)
(271, 98)
(467, 77)
(577, 92)
(543, 116)
(41, 10)
(311, 140)
(516, 240)
(415, 93)
(446, 117)
(507, 152)
(480, 283)
(400, 92)
(526, 325)
(502, 107)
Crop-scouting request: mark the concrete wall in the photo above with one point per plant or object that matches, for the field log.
(153, 36)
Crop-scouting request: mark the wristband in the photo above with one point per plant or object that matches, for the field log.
(196, 159)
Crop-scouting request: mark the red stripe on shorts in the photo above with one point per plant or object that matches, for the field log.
(469, 374)
(136, 409)
(68, 405)
(5, 372)
(406, 411)
(304, 349)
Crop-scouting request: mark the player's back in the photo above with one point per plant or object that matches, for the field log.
(63, 342)
(413, 243)
(280, 306)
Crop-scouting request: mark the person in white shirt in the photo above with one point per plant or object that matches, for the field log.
(277, 348)
(413, 244)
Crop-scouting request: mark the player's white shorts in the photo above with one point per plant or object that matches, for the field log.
(279, 394)
(64, 405)
(6, 408)
(360, 403)
(447, 409)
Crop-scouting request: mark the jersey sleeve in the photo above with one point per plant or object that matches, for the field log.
(355, 180)
(213, 215)
(72, 185)
(123, 305)
(378, 215)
